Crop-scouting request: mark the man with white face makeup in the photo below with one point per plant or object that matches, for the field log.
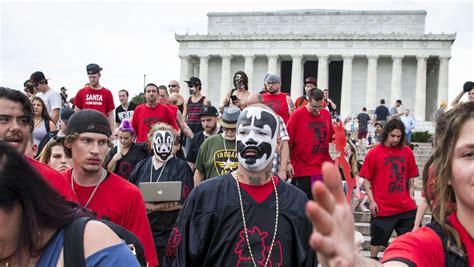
(246, 217)
(163, 166)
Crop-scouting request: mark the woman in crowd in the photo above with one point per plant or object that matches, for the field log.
(33, 217)
(163, 166)
(123, 157)
(448, 241)
(43, 122)
(54, 156)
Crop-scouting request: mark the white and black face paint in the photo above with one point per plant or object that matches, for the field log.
(238, 81)
(163, 145)
(256, 138)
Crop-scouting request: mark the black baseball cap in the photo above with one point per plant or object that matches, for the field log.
(93, 68)
(208, 111)
(88, 121)
(37, 77)
(194, 81)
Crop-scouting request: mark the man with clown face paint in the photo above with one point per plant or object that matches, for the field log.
(163, 166)
(246, 217)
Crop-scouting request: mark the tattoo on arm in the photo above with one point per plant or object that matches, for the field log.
(290, 104)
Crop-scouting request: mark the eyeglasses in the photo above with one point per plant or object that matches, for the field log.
(190, 86)
(35, 84)
(270, 83)
(172, 85)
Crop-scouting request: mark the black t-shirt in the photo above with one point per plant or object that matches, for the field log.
(176, 169)
(209, 229)
(196, 143)
(121, 113)
(125, 165)
(382, 113)
(363, 120)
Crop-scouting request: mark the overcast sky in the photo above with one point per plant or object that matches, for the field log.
(130, 39)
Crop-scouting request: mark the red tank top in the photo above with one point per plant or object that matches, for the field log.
(278, 104)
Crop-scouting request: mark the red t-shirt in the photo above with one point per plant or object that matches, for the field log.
(260, 192)
(54, 178)
(100, 100)
(309, 141)
(450, 206)
(423, 247)
(278, 104)
(144, 117)
(120, 202)
(388, 169)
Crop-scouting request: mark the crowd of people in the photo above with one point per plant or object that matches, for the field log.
(246, 183)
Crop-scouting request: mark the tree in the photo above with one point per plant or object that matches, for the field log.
(139, 99)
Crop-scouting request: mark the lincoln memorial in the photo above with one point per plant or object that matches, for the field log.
(360, 56)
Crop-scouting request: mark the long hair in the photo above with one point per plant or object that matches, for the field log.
(42, 206)
(18, 97)
(451, 123)
(245, 79)
(44, 109)
(389, 127)
(45, 155)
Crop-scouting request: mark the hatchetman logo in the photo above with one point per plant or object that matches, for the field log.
(225, 161)
(257, 239)
(173, 242)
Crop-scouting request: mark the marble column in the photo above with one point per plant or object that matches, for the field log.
(443, 80)
(346, 90)
(272, 64)
(323, 73)
(296, 76)
(396, 89)
(248, 69)
(371, 94)
(195, 69)
(204, 74)
(420, 91)
(226, 83)
(184, 72)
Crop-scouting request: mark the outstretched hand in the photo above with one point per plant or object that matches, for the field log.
(333, 223)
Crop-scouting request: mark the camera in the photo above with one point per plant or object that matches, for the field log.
(233, 98)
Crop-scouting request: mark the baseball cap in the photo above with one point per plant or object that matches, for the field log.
(37, 76)
(93, 68)
(208, 111)
(88, 121)
(311, 80)
(66, 113)
(273, 78)
(194, 81)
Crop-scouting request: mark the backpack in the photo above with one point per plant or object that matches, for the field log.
(74, 242)
(453, 256)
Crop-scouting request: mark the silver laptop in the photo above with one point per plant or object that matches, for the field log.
(161, 191)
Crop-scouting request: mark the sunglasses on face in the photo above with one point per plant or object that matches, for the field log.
(172, 85)
(190, 86)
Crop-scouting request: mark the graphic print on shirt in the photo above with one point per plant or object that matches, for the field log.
(225, 161)
(260, 251)
(397, 169)
(125, 168)
(320, 135)
(173, 242)
(274, 104)
(93, 99)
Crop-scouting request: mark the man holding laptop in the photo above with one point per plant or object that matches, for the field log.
(165, 182)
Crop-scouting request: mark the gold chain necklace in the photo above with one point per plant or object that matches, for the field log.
(236, 177)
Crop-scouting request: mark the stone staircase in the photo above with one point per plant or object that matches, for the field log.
(362, 219)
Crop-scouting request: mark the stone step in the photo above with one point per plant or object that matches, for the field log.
(362, 217)
(366, 253)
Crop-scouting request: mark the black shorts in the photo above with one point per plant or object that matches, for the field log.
(381, 228)
(304, 184)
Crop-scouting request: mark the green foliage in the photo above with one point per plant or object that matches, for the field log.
(421, 137)
(139, 99)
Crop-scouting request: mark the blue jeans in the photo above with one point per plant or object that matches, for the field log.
(408, 137)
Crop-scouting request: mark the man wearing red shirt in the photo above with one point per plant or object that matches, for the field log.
(389, 169)
(279, 102)
(16, 126)
(151, 112)
(107, 195)
(310, 130)
(94, 96)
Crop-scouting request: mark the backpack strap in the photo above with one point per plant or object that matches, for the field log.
(453, 256)
(74, 243)
(46, 125)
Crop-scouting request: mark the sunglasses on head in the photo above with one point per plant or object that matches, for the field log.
(172, 85)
